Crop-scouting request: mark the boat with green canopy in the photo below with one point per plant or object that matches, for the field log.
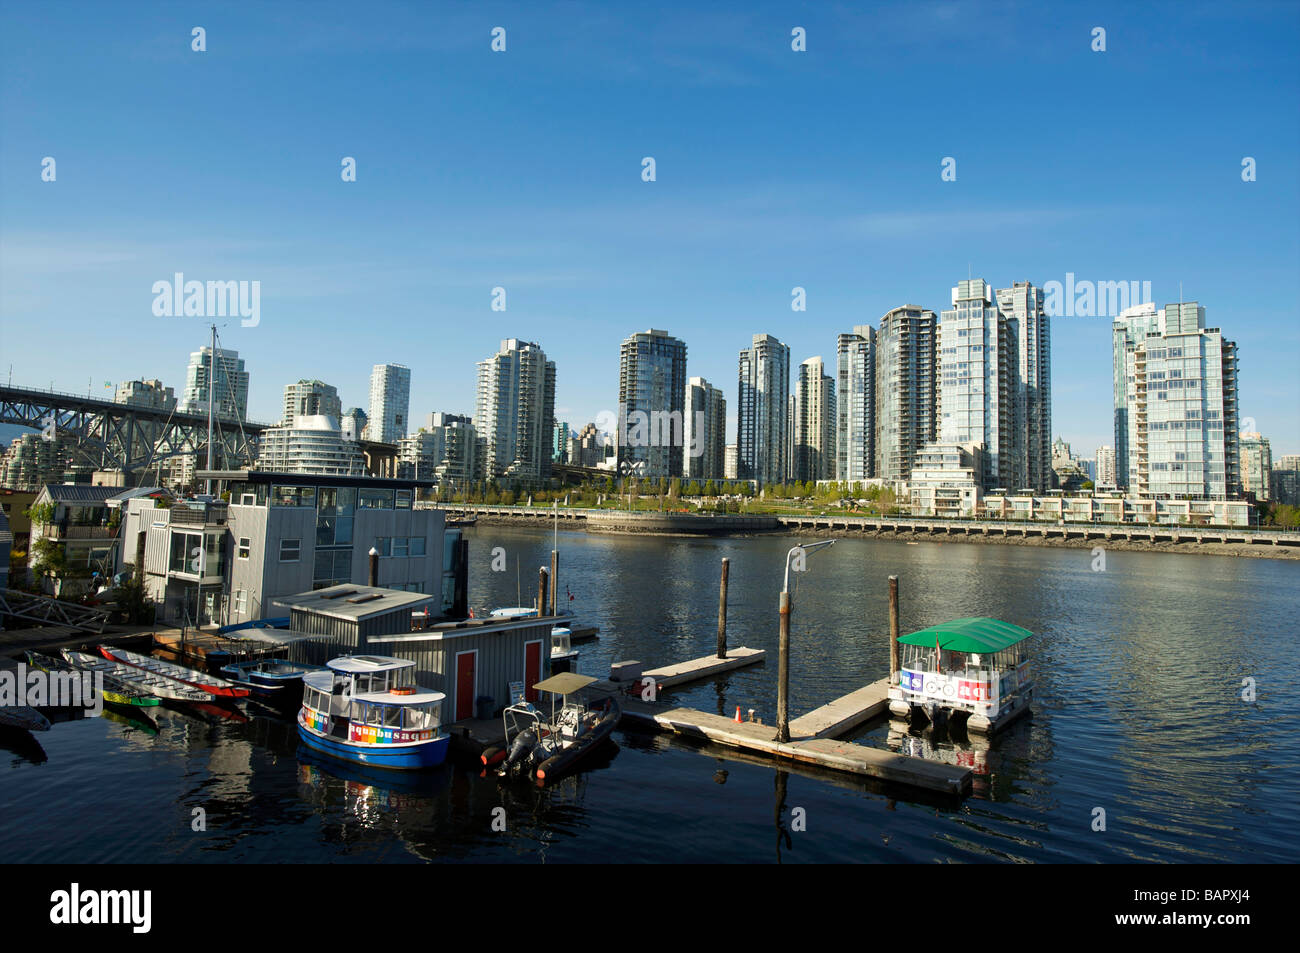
(975, 669)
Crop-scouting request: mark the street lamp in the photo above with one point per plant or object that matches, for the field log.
(783, 664)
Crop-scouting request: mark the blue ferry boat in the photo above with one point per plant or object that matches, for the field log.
(357, 710)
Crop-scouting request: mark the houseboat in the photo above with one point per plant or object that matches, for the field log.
(361, 709)
(976, 670)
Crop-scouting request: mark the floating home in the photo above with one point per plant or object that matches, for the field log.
(974, 670)
(473, 662)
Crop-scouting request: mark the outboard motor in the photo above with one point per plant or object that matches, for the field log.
(522, 746)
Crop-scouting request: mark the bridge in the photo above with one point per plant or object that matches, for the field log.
(113, 436)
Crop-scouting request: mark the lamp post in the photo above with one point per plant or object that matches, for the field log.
(783, 665)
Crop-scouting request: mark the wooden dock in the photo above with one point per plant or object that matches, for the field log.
(820, 752)
(843, 714)
(696, 669)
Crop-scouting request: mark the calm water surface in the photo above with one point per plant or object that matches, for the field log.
(1138, 711)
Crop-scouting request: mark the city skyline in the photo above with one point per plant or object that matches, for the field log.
(749, 202)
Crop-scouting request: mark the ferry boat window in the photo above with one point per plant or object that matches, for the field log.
(392, 716)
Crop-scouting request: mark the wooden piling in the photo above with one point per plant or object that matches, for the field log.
(893, 629)
(542, 579)
(555, 580)
(722, 610)
(783, 674)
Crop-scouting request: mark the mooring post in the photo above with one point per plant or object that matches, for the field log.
(374, 568)
(541, 591)
(893, 630)
(783, 674)
(722, 610)
(555, 581)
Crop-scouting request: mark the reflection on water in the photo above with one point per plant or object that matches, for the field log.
(1137, 709)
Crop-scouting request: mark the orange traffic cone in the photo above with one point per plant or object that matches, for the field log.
(738, 713)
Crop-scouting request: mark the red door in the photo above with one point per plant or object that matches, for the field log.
(532, 670)
(465, 679)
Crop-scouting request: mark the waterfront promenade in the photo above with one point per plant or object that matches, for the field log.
(1143, 536)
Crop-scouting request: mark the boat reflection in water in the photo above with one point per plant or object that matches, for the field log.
(407, 804)
(22, 743)
(130, 720)
(946, 744)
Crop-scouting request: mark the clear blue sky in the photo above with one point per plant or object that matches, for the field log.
(523, 169)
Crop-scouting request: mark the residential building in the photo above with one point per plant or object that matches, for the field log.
(560, 442)
(762, 414)
(515, 413)
(947, 480)
(1129, 332)
(1184, 410)
(651, 395)
(814, 423)
(71, 527)
(229, 392)
(587, 447)
(978, 364)
(310, 399)
(1284, 482)
(152, 395)
(906, 412)
(312, 444)
(855, 412)
(32, 460)
(353, 424)
(1114, 507)
(1031, 394)
(1256, 464)
(1069, 472)
(390, 403)
(705, 419)
(1106, 472)
(731, 462)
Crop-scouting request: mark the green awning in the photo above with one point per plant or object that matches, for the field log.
(969, 635)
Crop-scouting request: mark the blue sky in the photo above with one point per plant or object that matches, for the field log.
(522, 169)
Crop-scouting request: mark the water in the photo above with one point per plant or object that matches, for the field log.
(1138, 712)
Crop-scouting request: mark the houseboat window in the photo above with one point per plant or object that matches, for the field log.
(403, 499)
(375, 499)
(417, 546)
(336, 501)
(293, 496)
(290, 550)
(399, 547)
(245, 547)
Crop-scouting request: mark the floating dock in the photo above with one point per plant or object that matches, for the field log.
(821, 752)
(696, 669)
(844, 714)
(811, 736)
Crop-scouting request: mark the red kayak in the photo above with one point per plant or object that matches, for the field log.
(177, 673)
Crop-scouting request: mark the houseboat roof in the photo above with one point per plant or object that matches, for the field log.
(353, 603)
(969, 635)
